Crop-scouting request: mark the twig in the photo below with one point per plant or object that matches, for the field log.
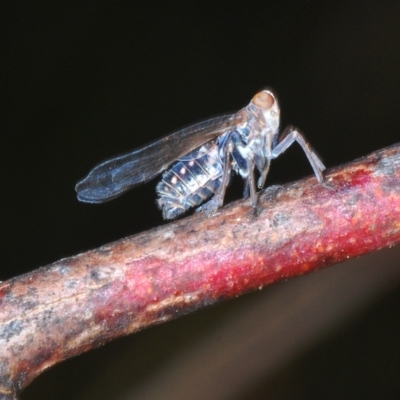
(81, 302)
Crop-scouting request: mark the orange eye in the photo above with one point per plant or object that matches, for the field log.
(264, 100)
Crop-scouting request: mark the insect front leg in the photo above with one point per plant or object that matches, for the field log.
(291, 134)
(267, 162)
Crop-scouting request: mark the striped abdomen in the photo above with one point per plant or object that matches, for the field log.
(190, 181)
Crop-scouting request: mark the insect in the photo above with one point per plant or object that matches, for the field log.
(205, 155)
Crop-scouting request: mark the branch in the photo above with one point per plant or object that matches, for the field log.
(81, 302)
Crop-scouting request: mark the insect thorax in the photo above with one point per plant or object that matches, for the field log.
(251, 143)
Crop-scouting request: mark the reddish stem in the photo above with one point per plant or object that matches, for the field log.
(81, 302)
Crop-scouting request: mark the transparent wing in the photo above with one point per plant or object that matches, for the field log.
(114, 177)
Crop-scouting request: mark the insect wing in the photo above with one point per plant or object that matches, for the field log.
(114, 177)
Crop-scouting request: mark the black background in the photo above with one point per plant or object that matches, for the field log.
(81, 82)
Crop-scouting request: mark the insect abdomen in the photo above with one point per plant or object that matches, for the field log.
(190, 181)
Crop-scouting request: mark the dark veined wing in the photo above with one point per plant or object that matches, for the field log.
(114, 177)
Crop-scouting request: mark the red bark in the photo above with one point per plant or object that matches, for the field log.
(81, 302)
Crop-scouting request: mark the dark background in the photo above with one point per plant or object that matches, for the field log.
(81, 82)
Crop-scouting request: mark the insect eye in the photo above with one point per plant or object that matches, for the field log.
(264, 100)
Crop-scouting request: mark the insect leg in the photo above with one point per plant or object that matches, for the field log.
(246, 190)
(264, 173)
(251, 184)
(292, 134)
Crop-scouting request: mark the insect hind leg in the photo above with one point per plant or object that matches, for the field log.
(292, 134)
(227, 157)
(218, 199)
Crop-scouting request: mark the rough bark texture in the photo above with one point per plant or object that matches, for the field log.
(81, 302)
